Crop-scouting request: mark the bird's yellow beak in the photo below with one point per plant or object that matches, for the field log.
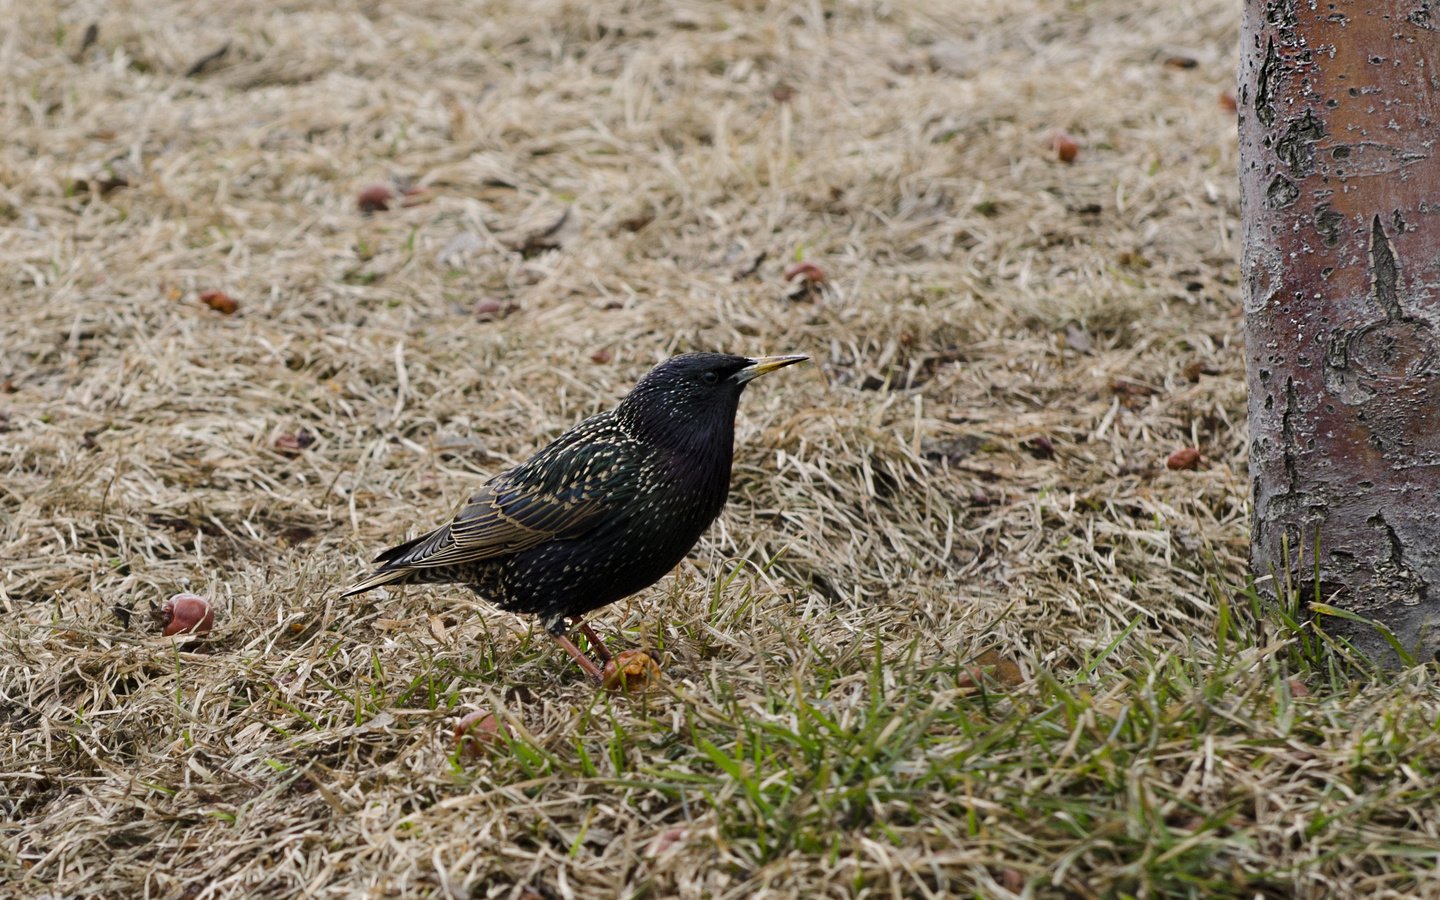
(762, 364)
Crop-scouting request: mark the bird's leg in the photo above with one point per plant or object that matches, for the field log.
(581, 659)
(595, 643)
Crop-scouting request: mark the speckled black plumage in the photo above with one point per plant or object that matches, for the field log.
(605, 510)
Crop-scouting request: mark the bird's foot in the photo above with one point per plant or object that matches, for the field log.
(631, 671)
(580, 658)
(595, 643)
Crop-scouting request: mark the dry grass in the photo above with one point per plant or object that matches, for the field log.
(1006, 351)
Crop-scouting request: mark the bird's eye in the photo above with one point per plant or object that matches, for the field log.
(709, 377)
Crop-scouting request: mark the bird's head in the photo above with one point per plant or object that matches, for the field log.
(690, 396)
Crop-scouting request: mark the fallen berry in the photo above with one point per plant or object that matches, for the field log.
(375, 198)
(185, 614)
(1184, 458)
(291, 444)
(220, 301)
(490, 310)
(1066, 147)
(809, 273)
(478, 733)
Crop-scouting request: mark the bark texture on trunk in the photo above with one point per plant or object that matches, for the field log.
(1339, 118)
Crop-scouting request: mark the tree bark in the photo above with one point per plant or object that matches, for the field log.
(1341, 205)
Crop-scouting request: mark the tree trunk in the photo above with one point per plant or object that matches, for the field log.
(1341, 204)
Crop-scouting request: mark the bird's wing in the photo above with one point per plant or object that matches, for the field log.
(491, 524)
(558, 499)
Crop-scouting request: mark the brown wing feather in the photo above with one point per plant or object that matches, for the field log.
(558, 494)
(490, 525)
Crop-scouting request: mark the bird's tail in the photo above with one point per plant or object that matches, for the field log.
(391, 569)
(384, 576)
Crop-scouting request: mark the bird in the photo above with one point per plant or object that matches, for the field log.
(601, 512)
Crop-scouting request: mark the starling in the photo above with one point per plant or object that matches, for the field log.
(605, 510)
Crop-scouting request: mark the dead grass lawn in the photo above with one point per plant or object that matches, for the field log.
(1007, 349)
